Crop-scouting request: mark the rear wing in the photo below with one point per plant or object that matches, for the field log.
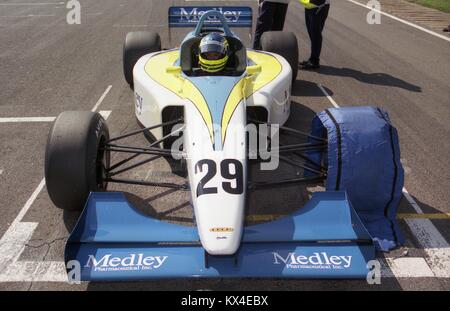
(188, 16)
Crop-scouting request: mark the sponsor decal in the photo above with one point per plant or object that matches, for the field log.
(132, 262)
(192, 15)
(222, 229)
(187, 16)
(315, 261)
(139, 101)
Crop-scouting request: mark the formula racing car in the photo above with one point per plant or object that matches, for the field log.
(352, 151)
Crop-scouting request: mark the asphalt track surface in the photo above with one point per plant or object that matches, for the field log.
(48, 66)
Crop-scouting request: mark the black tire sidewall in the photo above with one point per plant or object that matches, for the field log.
(285, 44)
(98, 133)
(136, 45)
(71, 158)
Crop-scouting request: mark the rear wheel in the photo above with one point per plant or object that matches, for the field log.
(138, 44)
(282, 43)
(75, 162)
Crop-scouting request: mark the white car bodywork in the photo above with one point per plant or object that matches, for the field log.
(220, 214)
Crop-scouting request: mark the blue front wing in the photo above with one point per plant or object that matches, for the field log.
(324, 239)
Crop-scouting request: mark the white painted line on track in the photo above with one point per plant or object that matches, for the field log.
(25, 16)
(13, 242)
(105, 113)
(30, 119)
(434, 244)
(328, 96)
(403, 21)
(30, 3)
(429, 238)
(42, 119)
(33, 271)
(100, 100)
(411, 201)
(19, 233)
(405, 267)
(28, 204)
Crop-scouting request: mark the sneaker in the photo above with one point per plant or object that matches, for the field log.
(310, 66)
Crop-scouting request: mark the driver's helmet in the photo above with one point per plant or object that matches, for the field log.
(213, 52)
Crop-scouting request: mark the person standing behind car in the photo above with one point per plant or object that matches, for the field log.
(316, 13)
(272, 14)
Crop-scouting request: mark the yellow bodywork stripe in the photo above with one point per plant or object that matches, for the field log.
(424, 216)
(156, 69)
(272, 217)
(270, 69)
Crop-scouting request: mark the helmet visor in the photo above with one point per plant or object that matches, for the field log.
(212, 46)
(212, 55)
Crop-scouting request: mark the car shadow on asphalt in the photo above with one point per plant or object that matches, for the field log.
(377, 78)
(308, 89)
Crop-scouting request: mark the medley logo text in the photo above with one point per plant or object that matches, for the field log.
(192, 15)
(315, 261)
(132, 262)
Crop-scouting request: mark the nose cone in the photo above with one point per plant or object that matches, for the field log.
(217, 180)
(218, 191)
(215, 145)
(220, 222)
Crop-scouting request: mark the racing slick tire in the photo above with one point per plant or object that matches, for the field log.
(138, 44)
(75, 163)
(282, 43)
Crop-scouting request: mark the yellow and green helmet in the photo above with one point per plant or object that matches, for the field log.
(213, 54)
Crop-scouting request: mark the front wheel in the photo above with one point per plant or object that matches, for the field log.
(75, 161)
(282, 43)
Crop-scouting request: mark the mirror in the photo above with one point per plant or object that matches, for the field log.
(175, 70)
